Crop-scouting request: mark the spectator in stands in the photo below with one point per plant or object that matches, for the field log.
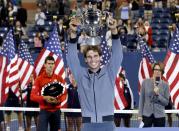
(148, 30)
(13, 101)
(1, 120)
(38, 40)
(124, 11)
(139, 23)
(108, 38)
(74, 119)
(61, 8)
(52, 6)
(130, 27)
(3, 14)
(123, 36)
(61, 30)
(22, 15)
(96, 96)
(172, 30)
(134, 10)
(29, 103)
(66, 21)
(40, 19)
(158, 3)
(173, 10)
(169, 115)
(12, 9)
(121, 24)
(45, 36)
(148, 5)
(128, 97)
(49, 105)
(19, 32)
(154, 96)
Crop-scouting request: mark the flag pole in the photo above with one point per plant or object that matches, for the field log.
(21, 100)
(23, 115)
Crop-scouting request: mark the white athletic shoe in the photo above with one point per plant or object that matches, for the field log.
(7, 128)
(20, 129)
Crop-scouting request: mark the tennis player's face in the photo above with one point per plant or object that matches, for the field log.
(93, 60)
(49, 67)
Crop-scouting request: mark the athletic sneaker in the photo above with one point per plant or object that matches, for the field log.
(20, 129)
(7, 128)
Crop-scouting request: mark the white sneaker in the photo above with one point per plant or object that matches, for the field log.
(20, 129)
(7, 128)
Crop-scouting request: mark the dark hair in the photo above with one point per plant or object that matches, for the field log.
(160, 64)
(49, 58)
(1, 41)
(94, 48)
(122, 76)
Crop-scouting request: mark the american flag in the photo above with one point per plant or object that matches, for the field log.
(119, 101)
(171, 70)
(12, 72)
(25, 66)
(3, 67)
(106, 54)
(52, 48)
(145, 68)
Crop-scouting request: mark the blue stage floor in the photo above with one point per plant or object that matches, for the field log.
(149, 129)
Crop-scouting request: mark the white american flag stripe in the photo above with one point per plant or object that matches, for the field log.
(169, 63)
(27, 76)
(175, 89)
(23, 68)
(14, 87)
(59, 67)
(176, 101)
(173, 75)
(14, 78)
(145, 68)
(140, 74)
(64, 102)
(118, 99)
(14, 65)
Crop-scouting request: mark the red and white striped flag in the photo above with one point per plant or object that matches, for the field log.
(52, 48)
(171, 70)
(12, 77)
(145, 68)
(119, 101)
(3, 73)
(25, 67)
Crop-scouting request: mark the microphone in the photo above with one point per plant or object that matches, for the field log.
(156, 88)
(157, 81)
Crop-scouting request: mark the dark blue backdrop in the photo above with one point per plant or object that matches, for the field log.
(131, 61)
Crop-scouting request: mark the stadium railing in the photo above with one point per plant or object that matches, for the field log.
(133, 121)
